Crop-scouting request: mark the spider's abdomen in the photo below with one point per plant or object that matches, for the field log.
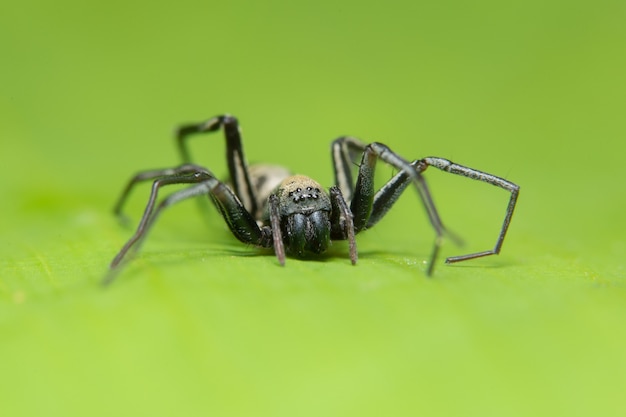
(265, 179)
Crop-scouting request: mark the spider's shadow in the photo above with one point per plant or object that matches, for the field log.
(336, 251)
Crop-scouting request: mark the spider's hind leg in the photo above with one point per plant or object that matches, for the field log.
(152, 175)
(239, 220)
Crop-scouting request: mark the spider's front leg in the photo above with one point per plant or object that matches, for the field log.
(474, 174)
(368, 206)
(239, 220)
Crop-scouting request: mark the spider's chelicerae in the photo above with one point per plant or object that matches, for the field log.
(269, 207)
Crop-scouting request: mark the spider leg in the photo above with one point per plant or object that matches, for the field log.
(451, 167)
(342, 224)
(277, 234)
(346, 152)
(151, 175)
(364, 199)
(388, 194)
(237, 165)
(369, 207)
(238, 219)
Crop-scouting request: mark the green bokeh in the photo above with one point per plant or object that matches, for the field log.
(201, 325)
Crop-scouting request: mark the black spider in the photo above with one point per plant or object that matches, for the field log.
(267, 206)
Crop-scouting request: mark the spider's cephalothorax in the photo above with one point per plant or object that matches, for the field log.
(266, 206)
(304, 210)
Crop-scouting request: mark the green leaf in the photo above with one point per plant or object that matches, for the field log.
(199, 324)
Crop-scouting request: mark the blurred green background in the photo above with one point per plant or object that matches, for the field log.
(199, 324)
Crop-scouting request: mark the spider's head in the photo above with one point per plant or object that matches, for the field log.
(304, 215)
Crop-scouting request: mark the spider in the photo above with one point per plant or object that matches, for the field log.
(267, 206)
